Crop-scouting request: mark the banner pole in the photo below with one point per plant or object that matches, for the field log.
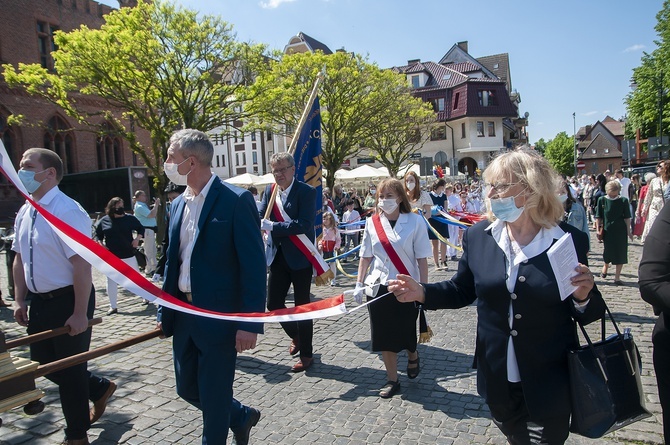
(296, 134)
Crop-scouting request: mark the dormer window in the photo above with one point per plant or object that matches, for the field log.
(495, 66)
(487, 98)
(593, 150)
(415, 81)
(446, 76)
(607, 150)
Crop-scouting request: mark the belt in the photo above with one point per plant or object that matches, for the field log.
(55, 293)
(154, 228)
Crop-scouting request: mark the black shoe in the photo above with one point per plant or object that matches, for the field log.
(412, 373)
(389, 389)
(241, 435)
(454, 258)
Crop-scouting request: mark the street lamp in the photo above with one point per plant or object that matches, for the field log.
(574, 141)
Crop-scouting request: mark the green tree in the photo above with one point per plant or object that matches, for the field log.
(401, 130)
(649, 97)
(353, 96)
(161, 67)
(560, 153)
(541, 146)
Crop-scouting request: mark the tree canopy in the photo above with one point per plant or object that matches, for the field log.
(356, 98)
(560, 152)
(650, 84)
(160, 67)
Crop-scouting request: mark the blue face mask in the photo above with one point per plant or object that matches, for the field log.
(505, 209)
(28, 180)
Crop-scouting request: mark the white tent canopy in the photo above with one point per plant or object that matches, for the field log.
(244, 179)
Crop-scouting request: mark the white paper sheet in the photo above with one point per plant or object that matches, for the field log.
(563, 259)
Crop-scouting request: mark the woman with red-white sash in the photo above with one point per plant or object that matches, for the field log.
(395, 239)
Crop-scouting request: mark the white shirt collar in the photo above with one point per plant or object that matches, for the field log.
(189, 195)
(542, 241)
(49, 196)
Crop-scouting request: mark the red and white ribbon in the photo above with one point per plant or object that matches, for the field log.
(127, 277)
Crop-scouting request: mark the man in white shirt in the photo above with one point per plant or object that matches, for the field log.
(59, 284)
(625, 183)
(215, 261)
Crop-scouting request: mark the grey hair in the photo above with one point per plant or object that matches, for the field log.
(194, 143)
(283, 156)
(649, 176)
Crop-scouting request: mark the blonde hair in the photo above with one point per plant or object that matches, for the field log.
(529, 168)
(612, 186)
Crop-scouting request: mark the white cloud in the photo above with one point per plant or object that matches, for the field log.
(633, 48)
(590, 113)
(273, 4)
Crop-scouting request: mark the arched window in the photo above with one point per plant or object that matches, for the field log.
(8, 137)
(109, 147)
(58, 137)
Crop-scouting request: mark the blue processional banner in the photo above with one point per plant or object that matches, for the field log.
(308, 159)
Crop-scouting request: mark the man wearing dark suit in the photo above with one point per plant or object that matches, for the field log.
(290, 265)
(215, 261)
(654, 280)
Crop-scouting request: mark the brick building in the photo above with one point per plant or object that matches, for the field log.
(26, 36)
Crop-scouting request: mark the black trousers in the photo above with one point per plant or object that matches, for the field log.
(661, 340)
(514, 421)
(76, 385)
(280, 280)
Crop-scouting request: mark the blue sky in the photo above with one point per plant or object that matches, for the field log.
(565, 56)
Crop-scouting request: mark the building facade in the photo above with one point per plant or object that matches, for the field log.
(26, 36)
(599, 146)
(475, 105)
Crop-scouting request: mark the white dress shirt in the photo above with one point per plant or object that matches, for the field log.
(45, 257)
(189, 231)
(412, 237)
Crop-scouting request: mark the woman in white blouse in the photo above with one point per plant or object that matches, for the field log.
(393, 324)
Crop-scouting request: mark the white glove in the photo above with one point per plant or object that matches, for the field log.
(266, 225)
(359, 293)
(156, 278)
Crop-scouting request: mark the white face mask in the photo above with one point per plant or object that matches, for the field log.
(171, 171)
(411, 185)
(388, 206)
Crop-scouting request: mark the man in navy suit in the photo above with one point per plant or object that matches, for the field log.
(215, 261)
(289, 265)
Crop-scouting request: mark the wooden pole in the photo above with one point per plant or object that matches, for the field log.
(296, 135)
(66, 362)
(45, 334)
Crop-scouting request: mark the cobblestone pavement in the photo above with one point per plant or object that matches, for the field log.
(335, 401)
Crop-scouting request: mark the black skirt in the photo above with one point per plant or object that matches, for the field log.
(392, 324)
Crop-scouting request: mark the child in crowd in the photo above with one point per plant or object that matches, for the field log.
(350, 216)
(330, 242)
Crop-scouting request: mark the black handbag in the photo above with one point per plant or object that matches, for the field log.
(605, 385)
(141, 258)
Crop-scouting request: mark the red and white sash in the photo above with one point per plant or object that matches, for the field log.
(301, 241)
(384, 233)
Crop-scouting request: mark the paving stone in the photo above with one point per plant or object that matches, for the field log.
(335, 401)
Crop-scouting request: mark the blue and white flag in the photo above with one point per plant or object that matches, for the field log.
(307, 156)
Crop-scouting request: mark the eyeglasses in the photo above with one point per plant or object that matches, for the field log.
(280, 171)
(501, 187)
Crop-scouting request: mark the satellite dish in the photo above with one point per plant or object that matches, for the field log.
(526, 114)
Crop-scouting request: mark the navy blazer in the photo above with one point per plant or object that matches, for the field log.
(543, 328)
(300, 206)
(228, 261)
